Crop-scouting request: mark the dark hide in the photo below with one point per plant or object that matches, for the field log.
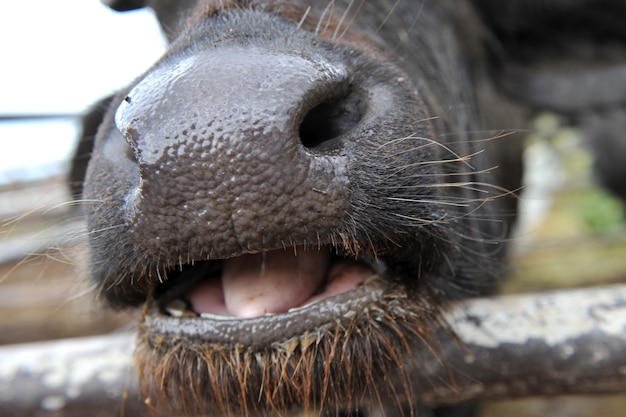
(369, 142)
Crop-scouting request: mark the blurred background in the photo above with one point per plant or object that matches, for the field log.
(58, 58)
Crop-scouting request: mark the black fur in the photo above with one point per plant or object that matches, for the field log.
(379, 130)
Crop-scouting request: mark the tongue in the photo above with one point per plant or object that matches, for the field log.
(272, 282)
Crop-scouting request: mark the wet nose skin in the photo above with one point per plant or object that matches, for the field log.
(217, 140)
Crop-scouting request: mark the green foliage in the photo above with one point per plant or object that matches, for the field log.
(599, 210)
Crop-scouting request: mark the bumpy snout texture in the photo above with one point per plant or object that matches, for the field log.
(297, 189)
(218, 142)
(275, 191)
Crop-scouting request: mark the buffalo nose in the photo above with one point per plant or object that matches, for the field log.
(238, 145)
(238, 90)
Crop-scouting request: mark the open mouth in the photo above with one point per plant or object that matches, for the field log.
(285, 329)
(296, 288)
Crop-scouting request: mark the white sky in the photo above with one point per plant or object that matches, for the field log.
(58, 57)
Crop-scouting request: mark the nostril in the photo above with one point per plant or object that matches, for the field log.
(322, 127)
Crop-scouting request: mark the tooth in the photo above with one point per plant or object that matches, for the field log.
(178, 308)
(211, 316)
(294, 309)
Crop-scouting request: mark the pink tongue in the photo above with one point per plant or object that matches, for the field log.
(269, 282)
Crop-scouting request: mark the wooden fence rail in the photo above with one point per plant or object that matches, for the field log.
(566, 342)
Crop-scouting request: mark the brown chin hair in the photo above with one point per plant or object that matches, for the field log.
(347, 364)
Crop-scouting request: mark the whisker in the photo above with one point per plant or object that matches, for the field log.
(350, 23)
(71, 203)
(388, 15)
(326, 12)
(428, 201)
(303, 18)
(106, 229)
